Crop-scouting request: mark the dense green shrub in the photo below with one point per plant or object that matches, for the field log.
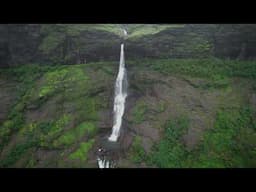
(137, 153)
(75, 134)
(139, 112)
(227, 145)
(16, 153)
(230, 143)
(170, 151)
(205, 68)
(82, 151)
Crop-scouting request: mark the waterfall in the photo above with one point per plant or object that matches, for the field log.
(103, 163)
(120, 96)
(125, 32)
(119, 104)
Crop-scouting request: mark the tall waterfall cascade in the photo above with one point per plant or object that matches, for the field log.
(120, 96)
(119, 103)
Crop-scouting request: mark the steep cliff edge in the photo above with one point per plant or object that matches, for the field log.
(80, 43)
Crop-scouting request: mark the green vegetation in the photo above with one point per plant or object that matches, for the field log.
(170, 151)
(194, 45)
(51, 42)
(137, 153)
(138, 30)
(56, 128)
(134, 30)
(53, 80)
(231, 143)
(76, 29)
(78, 97)
(108, 70)
(112, 28)
(216, 73)
(41, 135)
(75, 135)
(139, 112)
(38, 84)
(215, 82)
(161, 107)
(16, 153)
(25, 76)
(82, 151)
(205, 68)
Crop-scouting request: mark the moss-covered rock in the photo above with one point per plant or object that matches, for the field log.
(81, 153)
(74, 135)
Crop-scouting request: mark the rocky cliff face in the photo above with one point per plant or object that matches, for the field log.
(55, 44)
(23, 41)
(235, 41)
(197, 41)
(74, 44)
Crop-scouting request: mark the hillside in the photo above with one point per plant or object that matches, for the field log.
(80, 43)
(191, 95)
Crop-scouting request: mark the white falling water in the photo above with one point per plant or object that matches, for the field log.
(125, 32)
(103, 163)
(120, 96)
(119, 103)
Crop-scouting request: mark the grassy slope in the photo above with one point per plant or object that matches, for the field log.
(57, 109)
(69, 130)
(139, 30)
(231, 143)
(232, 140)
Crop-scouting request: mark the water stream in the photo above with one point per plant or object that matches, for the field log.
(119, 104)
(120, 96)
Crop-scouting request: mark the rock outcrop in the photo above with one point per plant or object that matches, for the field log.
(74, 44)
